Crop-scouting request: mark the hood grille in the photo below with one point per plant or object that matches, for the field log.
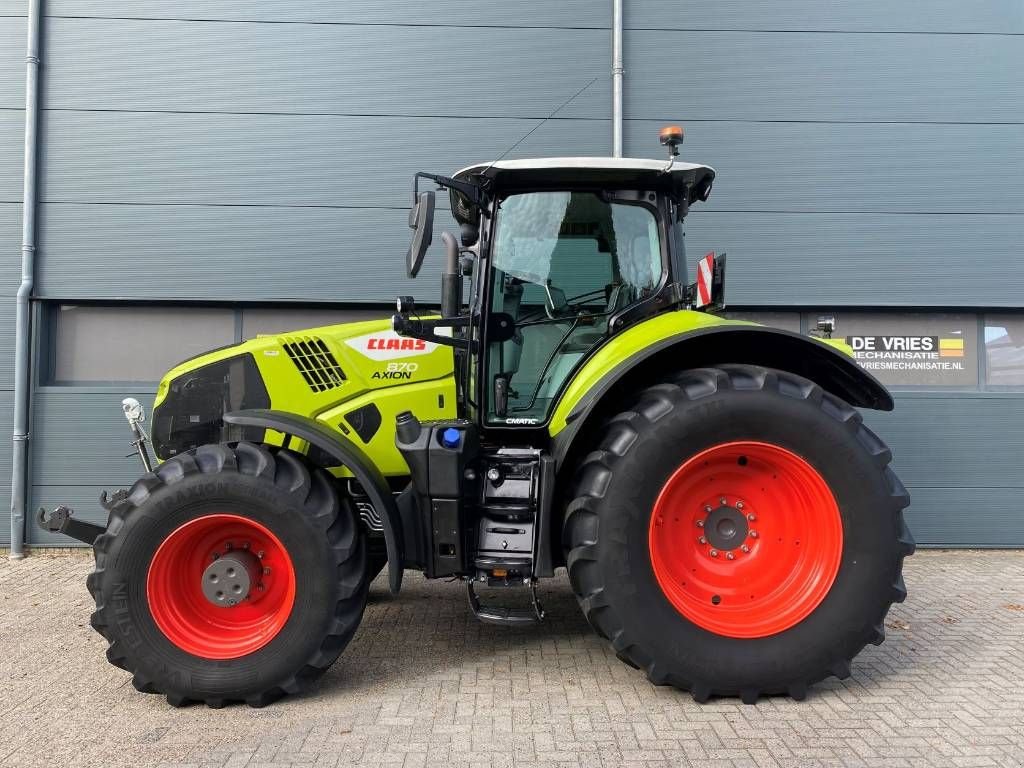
(315, 362)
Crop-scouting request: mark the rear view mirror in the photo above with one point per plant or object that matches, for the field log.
(555, 302)
(421, 222)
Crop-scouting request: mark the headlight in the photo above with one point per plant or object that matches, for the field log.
(191, 413)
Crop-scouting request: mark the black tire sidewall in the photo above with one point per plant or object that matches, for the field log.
(859, 596)
(126, 568)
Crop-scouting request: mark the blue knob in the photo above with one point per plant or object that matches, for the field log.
(451, 437)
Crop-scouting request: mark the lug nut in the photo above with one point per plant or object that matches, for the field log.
(246, 545)
(751, 517)
(260, 554)
(261, 587)
(266, 571)
(722, 501)
(714, 553)
(707, 507)
(700, 523)
(739, 505)
(730, 556)
(216, 555)
(744, 547)
(227, 546)
(753, 534)
(702, 540)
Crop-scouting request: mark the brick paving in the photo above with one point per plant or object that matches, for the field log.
(424, 684)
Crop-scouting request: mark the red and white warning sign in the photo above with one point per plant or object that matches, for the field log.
(705, 278)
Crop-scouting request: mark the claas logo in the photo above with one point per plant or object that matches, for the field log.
(379, 342)
(388, 345)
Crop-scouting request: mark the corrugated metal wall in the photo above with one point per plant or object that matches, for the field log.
(869, 154)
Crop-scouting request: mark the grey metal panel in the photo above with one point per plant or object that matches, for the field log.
(959, 455)
(6, 429)
(865, 259)
(955, 441)
(993, 16)
(270, 320)
(231, 253)
(824, 76)
(81, 437)
(971, 517)
(10, 278)
(12, 62)
(843, 167)
(527, 13)
(12, 149)
(308, 68)
(13, 7)
(317, 253)
(297, 160)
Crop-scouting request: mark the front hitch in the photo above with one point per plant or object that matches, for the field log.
(61, 520)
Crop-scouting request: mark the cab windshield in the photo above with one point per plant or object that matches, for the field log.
(562, 264)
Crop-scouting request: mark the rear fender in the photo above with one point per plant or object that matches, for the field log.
(349, 455)
(823, 363)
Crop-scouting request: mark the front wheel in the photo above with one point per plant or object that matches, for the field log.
(229, 573)
(738, 532)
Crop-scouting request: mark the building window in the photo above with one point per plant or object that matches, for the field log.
(128, 344)
(912, 349)
(265, 320)
(787, 321)
(105, 344)
(1004, 350)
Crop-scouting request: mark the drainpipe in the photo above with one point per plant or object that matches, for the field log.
(22, 382)
(617, 71)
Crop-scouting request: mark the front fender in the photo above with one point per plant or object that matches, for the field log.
(349, 455)
(654, 350)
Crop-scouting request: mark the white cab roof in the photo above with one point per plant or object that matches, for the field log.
(627, 164)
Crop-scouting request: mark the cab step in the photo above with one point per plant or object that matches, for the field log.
(503, 616)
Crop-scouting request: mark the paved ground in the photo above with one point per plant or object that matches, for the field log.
(424, 684)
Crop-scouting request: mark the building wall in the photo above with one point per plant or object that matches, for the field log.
(226, 156)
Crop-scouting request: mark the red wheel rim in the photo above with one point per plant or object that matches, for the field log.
(745, 539)
(187, 617)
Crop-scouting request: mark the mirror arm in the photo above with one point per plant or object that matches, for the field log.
(472, 191)
(415, 328)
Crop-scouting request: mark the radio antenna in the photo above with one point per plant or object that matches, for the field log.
(525, 136)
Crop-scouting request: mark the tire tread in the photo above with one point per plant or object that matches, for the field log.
(594, 474)
(314, 494)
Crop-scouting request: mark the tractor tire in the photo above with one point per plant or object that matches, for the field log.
(737, 532)
(256, 522)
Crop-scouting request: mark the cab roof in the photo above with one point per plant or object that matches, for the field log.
(610, 172)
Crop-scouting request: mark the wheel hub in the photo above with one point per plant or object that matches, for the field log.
(231, 577)
(745, 539)
(726, 528)
(221, 586)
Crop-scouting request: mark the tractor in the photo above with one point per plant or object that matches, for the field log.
(727, 521)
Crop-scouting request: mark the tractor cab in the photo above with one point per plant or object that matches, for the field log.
(562, 253)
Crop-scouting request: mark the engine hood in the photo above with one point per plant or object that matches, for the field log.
(312, 372)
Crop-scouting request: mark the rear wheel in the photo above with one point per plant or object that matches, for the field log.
(738, 532)
(229, 573)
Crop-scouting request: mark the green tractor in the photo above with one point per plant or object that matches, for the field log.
(727, 521)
